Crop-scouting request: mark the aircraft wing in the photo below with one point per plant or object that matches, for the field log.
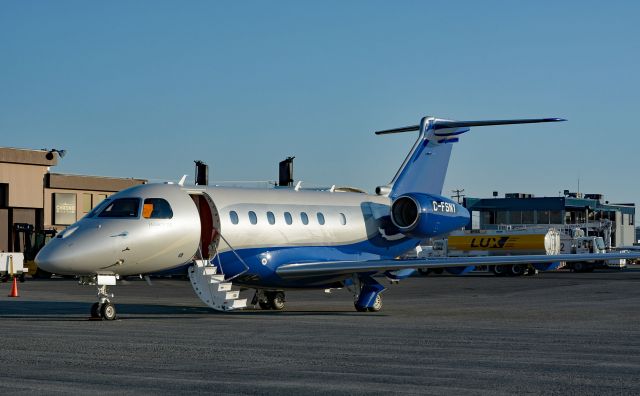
(330, 268)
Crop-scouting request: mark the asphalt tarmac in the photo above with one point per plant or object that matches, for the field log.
(555, 333)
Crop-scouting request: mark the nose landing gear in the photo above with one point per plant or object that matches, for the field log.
(103, 309)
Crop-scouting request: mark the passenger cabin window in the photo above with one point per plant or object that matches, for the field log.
(320, 218)
(304, 218)
(343, 219)
(271, 218)
(287, 218)
(156, 208)
(122, 208)
(253, 219)
(234, 217)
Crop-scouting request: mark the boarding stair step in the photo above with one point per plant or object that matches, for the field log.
(212, 288)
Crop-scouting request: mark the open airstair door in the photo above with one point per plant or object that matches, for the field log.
(209, 225)
(208, 281)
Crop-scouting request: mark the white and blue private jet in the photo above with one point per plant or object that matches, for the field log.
(273, 240)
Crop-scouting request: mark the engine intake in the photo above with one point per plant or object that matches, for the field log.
(424, 215)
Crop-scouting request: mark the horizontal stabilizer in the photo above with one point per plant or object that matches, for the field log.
(440, 124)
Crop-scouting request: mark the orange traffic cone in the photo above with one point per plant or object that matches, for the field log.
(14, 288)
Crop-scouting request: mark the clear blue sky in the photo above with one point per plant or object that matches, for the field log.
(143, 88)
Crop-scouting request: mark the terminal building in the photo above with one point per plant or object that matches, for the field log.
(573, 210)
(32, 196)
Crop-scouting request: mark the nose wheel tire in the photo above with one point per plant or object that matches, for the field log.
(108, 311)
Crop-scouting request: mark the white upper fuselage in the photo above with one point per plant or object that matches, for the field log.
(250, 221)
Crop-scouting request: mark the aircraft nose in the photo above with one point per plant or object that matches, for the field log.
(51, 258)
(62, 254)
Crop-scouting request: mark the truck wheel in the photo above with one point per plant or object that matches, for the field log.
(424, 271)
(517, 270)
(499, 270)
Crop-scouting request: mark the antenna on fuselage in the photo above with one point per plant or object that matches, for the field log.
(285, 172)
(202, 173)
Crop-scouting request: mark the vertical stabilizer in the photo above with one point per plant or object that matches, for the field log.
(425, 168)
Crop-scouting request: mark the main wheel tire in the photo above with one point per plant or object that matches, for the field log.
(95, 310)
(277, 301)
(266, 305)
(359, 308)
(377, 304)
(108, 311)
(578, 267)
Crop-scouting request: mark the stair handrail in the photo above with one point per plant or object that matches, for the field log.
(246, 267)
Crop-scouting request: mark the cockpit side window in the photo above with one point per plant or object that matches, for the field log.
(122, 208)
(156, 208)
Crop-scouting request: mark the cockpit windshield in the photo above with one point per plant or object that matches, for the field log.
(122, 208)
(97, 209)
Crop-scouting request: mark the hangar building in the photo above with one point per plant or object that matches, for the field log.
(571, 210)
(31, 194)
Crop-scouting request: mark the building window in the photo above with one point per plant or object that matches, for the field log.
(100, 198)
(287, 218)
(320, 218)
(304, 218)
(64, 208)
(555, 217)
(253, 219)
(156, 208)
(343, 219)
(543, 217)
(488, 217)
(271, 218)
(515, 217)
(502, 217)
(631, 219)
(87, 202)
(527, 217)
(234, 217)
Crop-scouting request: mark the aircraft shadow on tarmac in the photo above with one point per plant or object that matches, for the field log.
(71, 310)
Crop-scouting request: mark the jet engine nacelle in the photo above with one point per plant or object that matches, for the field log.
(424, 215)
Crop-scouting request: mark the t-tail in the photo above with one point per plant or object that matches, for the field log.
(425, 168)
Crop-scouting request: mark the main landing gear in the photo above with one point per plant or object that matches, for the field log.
(366, 293)
(103, 309)
(269, 299)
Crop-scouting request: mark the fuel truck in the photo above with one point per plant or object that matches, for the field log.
(473, 243)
